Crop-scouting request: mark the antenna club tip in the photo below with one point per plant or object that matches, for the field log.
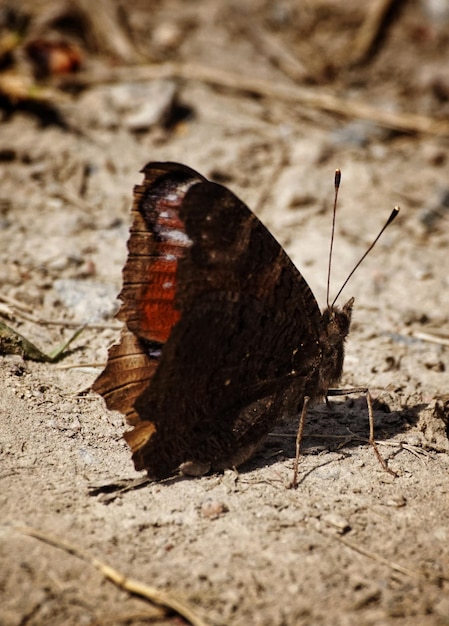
(337, 179)
(394, 214)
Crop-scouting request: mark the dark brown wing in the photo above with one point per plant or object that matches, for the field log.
(237, 342)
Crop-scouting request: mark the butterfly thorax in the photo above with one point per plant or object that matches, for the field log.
(335, 323)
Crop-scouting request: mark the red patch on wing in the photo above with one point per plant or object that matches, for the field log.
(157, 242)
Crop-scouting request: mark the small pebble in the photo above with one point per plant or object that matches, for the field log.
(337, 521)
(212, 509)
(396, 501)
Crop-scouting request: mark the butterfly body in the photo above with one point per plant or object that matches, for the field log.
(223, 337)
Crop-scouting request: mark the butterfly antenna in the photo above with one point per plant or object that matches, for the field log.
(392, 217)
(337, 180)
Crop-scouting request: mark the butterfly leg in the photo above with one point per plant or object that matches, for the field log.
(369, 402)
(302, 421)
(372, 441)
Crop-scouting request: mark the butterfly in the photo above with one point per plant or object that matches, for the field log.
(222, 335)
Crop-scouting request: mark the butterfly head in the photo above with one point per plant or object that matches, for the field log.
(335, 328)
(336, 322)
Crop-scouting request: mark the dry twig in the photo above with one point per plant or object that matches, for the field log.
(375, 557)
(272, 47)
(370, 30)
(304, 96)
(16, 308)
(432, 337)
(134, 587)
(107, 29)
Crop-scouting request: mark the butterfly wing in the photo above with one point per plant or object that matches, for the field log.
(221, 325)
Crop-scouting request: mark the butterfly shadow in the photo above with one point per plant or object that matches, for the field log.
(337, 426)
(340, 425)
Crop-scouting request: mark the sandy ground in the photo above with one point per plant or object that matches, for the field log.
(352, 544)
